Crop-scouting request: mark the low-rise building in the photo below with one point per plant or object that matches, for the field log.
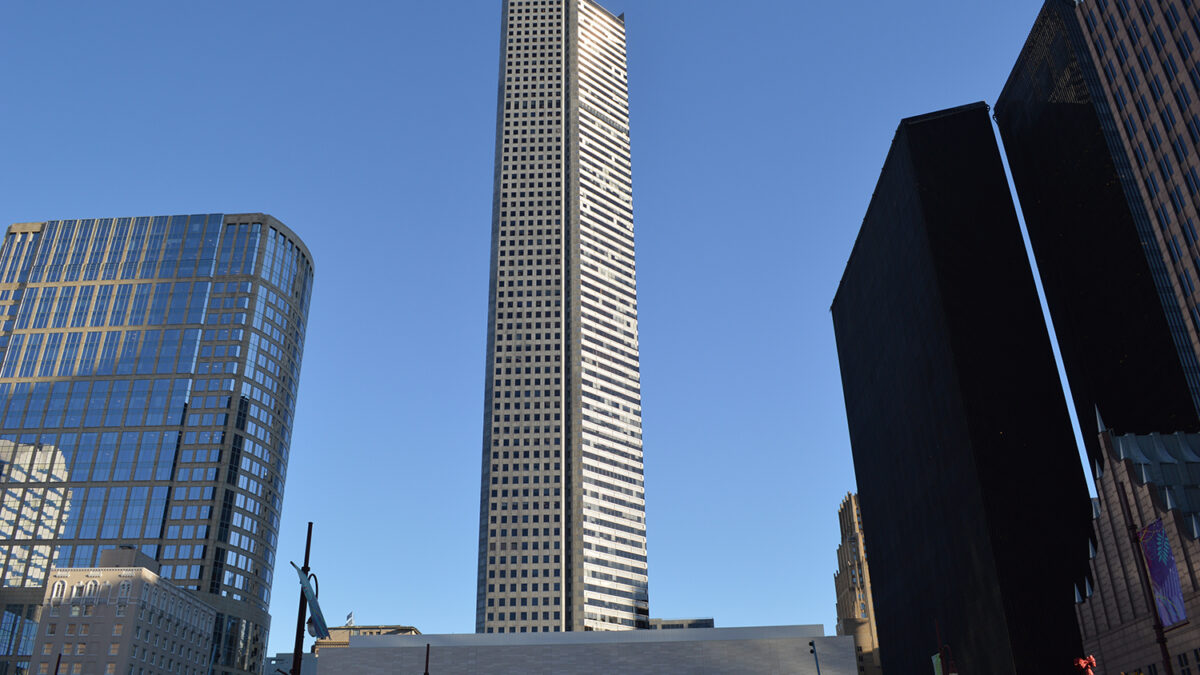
(339, 636)
(121, 618)
(671, 624)
(696, 651)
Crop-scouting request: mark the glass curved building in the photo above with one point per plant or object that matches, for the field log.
(161, 357)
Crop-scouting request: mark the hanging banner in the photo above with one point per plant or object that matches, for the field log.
(319, 627)
(1164, 575)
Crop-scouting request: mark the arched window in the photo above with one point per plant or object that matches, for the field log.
(59, 590)
(92, 588)
(123, 589)
(77, 591)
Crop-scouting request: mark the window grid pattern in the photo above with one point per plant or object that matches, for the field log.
(611, 498)
(521, 582)
(34, 505)
(160, 356)
(1148, 65)
(539, 416)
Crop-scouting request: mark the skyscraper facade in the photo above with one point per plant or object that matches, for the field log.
(562, 534)
(969, 481)
(1146, 54)
(160, 357)
(1101, 124)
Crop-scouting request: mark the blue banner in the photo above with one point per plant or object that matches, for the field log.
(318, 619)
(1164, 575)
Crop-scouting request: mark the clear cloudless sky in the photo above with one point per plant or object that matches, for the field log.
(759, 129)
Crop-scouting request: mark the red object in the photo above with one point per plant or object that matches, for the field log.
(1086, 664)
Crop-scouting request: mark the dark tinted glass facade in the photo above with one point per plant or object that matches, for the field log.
(159, 357)
(968, 475)
(1111, 290)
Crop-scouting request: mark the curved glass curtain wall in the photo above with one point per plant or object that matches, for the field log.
(159, 357)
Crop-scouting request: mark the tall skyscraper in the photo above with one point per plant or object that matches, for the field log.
(160, 356)
(1101, 123)
(562, 532)
(852, 584)
(969, 480)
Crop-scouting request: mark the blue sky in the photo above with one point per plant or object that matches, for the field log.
(759, 129)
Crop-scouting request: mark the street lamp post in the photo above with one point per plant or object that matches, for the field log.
(298, 648)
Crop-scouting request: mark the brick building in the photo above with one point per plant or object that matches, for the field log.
(121, 618)
(1146, 477)
(852, 583)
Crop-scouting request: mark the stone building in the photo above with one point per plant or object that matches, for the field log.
(852, 582)
(121, 618)
(1146, 477)
(339, 636)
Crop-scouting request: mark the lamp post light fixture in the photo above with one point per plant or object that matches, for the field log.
(308, 596)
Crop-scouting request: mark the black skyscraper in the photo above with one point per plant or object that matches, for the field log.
(968, 473)
(1120, 330)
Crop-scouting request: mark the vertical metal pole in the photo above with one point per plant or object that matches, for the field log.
(426, 658)
(812, 647)
(1140, 562)
(57, 662)
(298, 648)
